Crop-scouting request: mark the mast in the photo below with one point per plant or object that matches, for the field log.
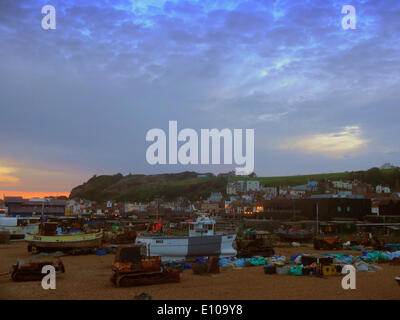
(41, 218)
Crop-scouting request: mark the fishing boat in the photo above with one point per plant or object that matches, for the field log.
(49, 240)
(18, 226)
(202, 241)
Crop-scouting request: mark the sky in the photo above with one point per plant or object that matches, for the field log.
(78, 100)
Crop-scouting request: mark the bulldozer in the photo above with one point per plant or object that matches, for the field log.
(132, 267)
(366, 241)
(32, 271)
(254, 243)
(328, 243)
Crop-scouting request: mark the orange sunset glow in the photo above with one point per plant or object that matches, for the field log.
(31, 194)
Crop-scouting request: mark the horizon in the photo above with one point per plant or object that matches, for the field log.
(79, 99)
(43, 194)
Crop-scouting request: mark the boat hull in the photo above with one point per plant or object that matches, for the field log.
(182, 248)
(70, 241)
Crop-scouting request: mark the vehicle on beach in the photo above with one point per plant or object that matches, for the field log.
(132, 267)
(254, 243)
(32, 271)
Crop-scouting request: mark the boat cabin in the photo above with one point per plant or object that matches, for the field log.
(17, 221)
(203, 226)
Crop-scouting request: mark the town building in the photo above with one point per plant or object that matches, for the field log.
(382, 189)
(312, 185)
(361, 188)
(325, 207)
(229, 174)
(270, 192)
(18, 206)
(252, 185)
(386, 207)
(210, 207)
(215, 197)
(343, 185)
(135, 207)
(235, 187)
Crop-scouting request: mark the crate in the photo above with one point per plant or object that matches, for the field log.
(328, 270)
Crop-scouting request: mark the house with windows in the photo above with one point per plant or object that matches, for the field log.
(252, 185)
(342, 185)
(382, 189)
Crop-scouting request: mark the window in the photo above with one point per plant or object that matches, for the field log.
(348, 209)
(159, 241)
(210, 227)
(339, 209)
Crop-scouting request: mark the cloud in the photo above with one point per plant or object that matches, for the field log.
(30, 176)
(82, 97)
(272, 116)
(335, 144)
(7, 178)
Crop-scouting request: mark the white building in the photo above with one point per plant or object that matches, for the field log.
(382, 189)
(231, 188)
(283, 191)
(235, 187)
(215, 197)
(138, 207)
(252, 185)
(271, 191)
(387, 165)
(297, 193)
(342, 185)
(72, 207)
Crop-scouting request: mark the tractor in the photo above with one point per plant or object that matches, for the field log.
(132, 267)
(32, 271)
(254, 243)
(328, 243)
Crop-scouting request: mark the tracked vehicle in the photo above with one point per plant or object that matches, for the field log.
(133, 267)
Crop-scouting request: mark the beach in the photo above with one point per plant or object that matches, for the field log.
(88, 277)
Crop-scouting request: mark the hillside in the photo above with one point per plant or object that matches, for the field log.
(373, 176)
(142, 188)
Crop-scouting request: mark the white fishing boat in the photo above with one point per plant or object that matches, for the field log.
(19, 226)
(202, 241)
